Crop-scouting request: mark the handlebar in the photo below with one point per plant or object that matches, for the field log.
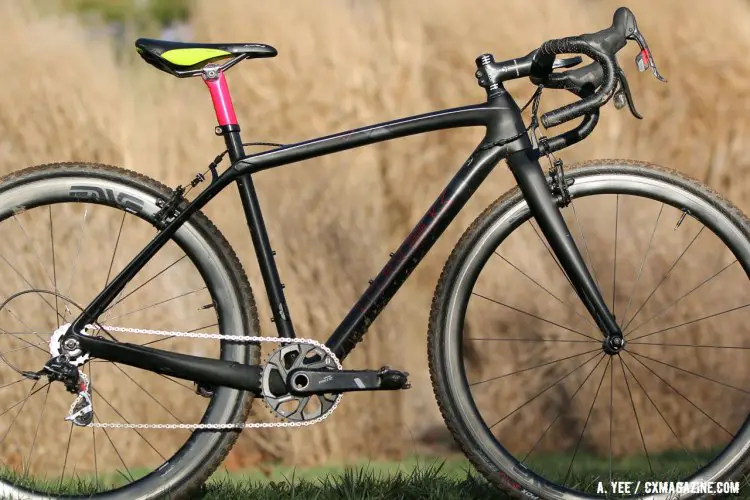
(596, 100)
(601, 74)
(595, 84)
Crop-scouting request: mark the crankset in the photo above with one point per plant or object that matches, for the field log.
(315, 382)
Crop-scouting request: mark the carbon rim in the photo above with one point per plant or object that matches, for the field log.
(591, 379)
(103, 459)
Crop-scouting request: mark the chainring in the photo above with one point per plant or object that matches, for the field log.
(284, 360)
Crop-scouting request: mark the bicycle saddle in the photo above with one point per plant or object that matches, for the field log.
(187, 59)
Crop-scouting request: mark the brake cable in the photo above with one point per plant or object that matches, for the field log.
(200, 177)
(167, 208)
(535, 97)
(558, 183)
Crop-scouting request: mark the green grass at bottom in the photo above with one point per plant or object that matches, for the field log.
(414, 478)
(453, 467)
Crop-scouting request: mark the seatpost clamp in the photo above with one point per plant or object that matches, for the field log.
(210, 72)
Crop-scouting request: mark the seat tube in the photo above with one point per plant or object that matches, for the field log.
(230, 129)
(533, 184)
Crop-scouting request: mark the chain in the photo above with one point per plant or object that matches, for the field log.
(233, 338)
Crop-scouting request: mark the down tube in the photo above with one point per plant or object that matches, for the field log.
(413, 249)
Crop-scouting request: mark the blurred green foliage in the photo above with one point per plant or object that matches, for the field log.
(137, 12)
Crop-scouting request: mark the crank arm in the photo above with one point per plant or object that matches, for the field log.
(303, 382)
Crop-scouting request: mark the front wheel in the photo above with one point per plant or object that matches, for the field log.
(518, 366)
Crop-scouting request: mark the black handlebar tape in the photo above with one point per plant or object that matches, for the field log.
(579, 133)
(577, 45)
(573, 136)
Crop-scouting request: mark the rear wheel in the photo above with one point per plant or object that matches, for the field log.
(65, 231)
(518, 366)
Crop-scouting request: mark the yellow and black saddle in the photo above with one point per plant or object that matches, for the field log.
(188, 59)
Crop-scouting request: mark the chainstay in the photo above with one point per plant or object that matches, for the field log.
(232, 338)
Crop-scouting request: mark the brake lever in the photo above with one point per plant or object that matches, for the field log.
(623, 95)
(645, 58)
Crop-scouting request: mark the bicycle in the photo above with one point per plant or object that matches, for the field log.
(303, 380)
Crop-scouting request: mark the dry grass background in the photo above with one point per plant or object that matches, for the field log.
(333, 220)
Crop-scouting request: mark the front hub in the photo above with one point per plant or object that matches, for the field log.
(613, 344)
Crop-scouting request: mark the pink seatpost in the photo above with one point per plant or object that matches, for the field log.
(222, 100)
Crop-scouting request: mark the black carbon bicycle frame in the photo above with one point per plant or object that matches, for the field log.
(500, 116)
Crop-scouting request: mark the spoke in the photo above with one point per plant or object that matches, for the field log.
(14, 382)
(663, 279)
(611, 405)
(533, 340)
(54, 267)
(158, 340)
(178, 383)
(34, 248)
(533, 315)
(31, 392)
(22, 348)
(15, 335)
(93, 432)
(65, 461)
(36, 433)
(682, 297)
(127, 422)
(204, 327)
(114, 252)
(104, 429)
(22, 402)
(145, 283)
(545, 390)
(659, 412)
(551, 254)
(157, 303)
(689, 372)
(680, 394)
(545, 289)
(586, 422)
(585, 245)
(6, 332)
(32, 287)
(614, 282)
(147, 393)
(640, 270)
(559, 413)
(546, 363)
(100, 327)
(690, 345)
(80, 239)
(691, 322)
(637, 420)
